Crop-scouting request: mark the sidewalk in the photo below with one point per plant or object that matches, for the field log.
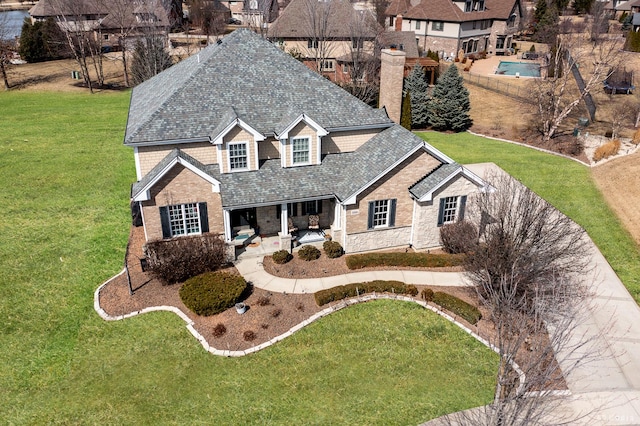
(252, 270)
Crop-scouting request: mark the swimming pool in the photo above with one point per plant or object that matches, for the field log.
(524, 69)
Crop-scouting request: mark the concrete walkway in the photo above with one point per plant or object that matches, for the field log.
(603, 392)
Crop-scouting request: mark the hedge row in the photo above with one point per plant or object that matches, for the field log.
(459, 307)
(351, 290)
(424, 260)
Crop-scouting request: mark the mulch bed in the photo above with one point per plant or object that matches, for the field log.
(269, 314)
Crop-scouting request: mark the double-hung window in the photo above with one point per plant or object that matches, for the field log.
(381, 214)
(184, 219)
(238, 156)
(451, 209)
(300, 150)
(437, 26)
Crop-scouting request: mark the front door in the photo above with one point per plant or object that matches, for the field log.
(244, 217)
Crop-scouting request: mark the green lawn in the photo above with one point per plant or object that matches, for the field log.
(565, 184)
(66, 179)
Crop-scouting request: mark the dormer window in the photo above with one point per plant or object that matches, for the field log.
(300, 147)
(238, 156)
(474, 5)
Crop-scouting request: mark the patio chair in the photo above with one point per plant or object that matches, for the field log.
(314, 223)
(292, 227)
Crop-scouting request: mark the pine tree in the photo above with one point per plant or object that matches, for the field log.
(449, 105)
(541, 9)
(417, 85)
(405, 117)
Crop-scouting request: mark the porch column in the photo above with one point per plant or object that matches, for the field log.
(226, 219)
(284, 219)
(337, 216)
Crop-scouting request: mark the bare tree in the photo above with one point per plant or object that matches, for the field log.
(528, 270)
(321, 31)
(79, 21)
(556, 95)
(209, 16)
(7, 47)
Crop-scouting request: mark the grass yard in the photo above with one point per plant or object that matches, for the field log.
(565, 184)
(66, 179)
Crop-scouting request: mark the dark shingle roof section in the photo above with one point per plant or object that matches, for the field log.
(262, 83)
(433, 179)
(403, 40)
(338, 174)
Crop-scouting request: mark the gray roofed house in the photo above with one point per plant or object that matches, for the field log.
(242, 139)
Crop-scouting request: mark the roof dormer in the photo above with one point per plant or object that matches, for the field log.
(301, 142)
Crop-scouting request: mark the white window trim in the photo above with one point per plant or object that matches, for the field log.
(387, 215)
(183, 208)
(308, 162)
(246, 148)
(456, 213)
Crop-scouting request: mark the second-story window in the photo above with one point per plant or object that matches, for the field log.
(437, 26)
(417, 25)
(300, 150)
(312, 43)
(238, 156)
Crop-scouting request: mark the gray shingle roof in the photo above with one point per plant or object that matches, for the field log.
(262, 84)
(433, 179)
(340, 175)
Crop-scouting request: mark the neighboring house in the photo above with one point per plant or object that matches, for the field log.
(615, 8)
(328, 36)
(243, 135)
(109, 24)
(259, 13)
(448, 26)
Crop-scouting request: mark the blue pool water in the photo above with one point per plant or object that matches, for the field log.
(525, 69)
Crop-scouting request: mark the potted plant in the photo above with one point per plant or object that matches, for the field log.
(241, 308)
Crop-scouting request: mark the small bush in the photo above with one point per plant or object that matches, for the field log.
(459, 237)
(276, 312)
(300, 307)
(219, 330)
(332, 249)
(176, 260)
(249, 336)
(418, 260)
(426, 295)
(263, 301)
(459, 307)
(309, 253)
(264, 326)
(351, 290)
(532, 48)
(212, 292)
(636, 137)
(281, 257)
(606, 150)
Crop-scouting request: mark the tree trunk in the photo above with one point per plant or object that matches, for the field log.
(4, 75)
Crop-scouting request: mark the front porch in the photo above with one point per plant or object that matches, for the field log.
(262, 245)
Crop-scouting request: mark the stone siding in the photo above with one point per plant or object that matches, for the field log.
(426, 232)
(149, 156)
(346, 141)
(380, 239)
(180, 185)
(267, 219)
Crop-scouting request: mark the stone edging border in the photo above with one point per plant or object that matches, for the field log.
(325, 312)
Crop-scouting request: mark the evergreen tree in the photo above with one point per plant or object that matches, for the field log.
(42, 41)
(541, 9)
(449, 105)
(149, 58)
(417, 85)
(405, 117)
(582, 6)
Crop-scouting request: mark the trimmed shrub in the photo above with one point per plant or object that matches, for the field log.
(308, 253)
(219, 330)
(606, 150)
(332, 249)
(281, 257)
(532, 48)
(276, 312)
(212, 292)
(426, 295)
(351, 290)
(459, 307)
(636, 137)
(176, 260)
(418, 260)
(249, 336)
(459, 237)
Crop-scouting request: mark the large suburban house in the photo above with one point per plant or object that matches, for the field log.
(241, 137)
(449, 26)
(110, 24)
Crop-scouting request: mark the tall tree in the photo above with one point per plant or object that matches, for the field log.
(42, 41)
(405, 115)
(149, 58)
(208, 15)
(556, 96)
(529, 274)
(417, 85)
(449, 104)
(7, 47)
(317, 21)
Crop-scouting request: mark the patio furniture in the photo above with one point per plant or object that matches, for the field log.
(292, 227)
(314, 221)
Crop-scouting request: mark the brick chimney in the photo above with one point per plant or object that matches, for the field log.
(399, 23)
(391, 79)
